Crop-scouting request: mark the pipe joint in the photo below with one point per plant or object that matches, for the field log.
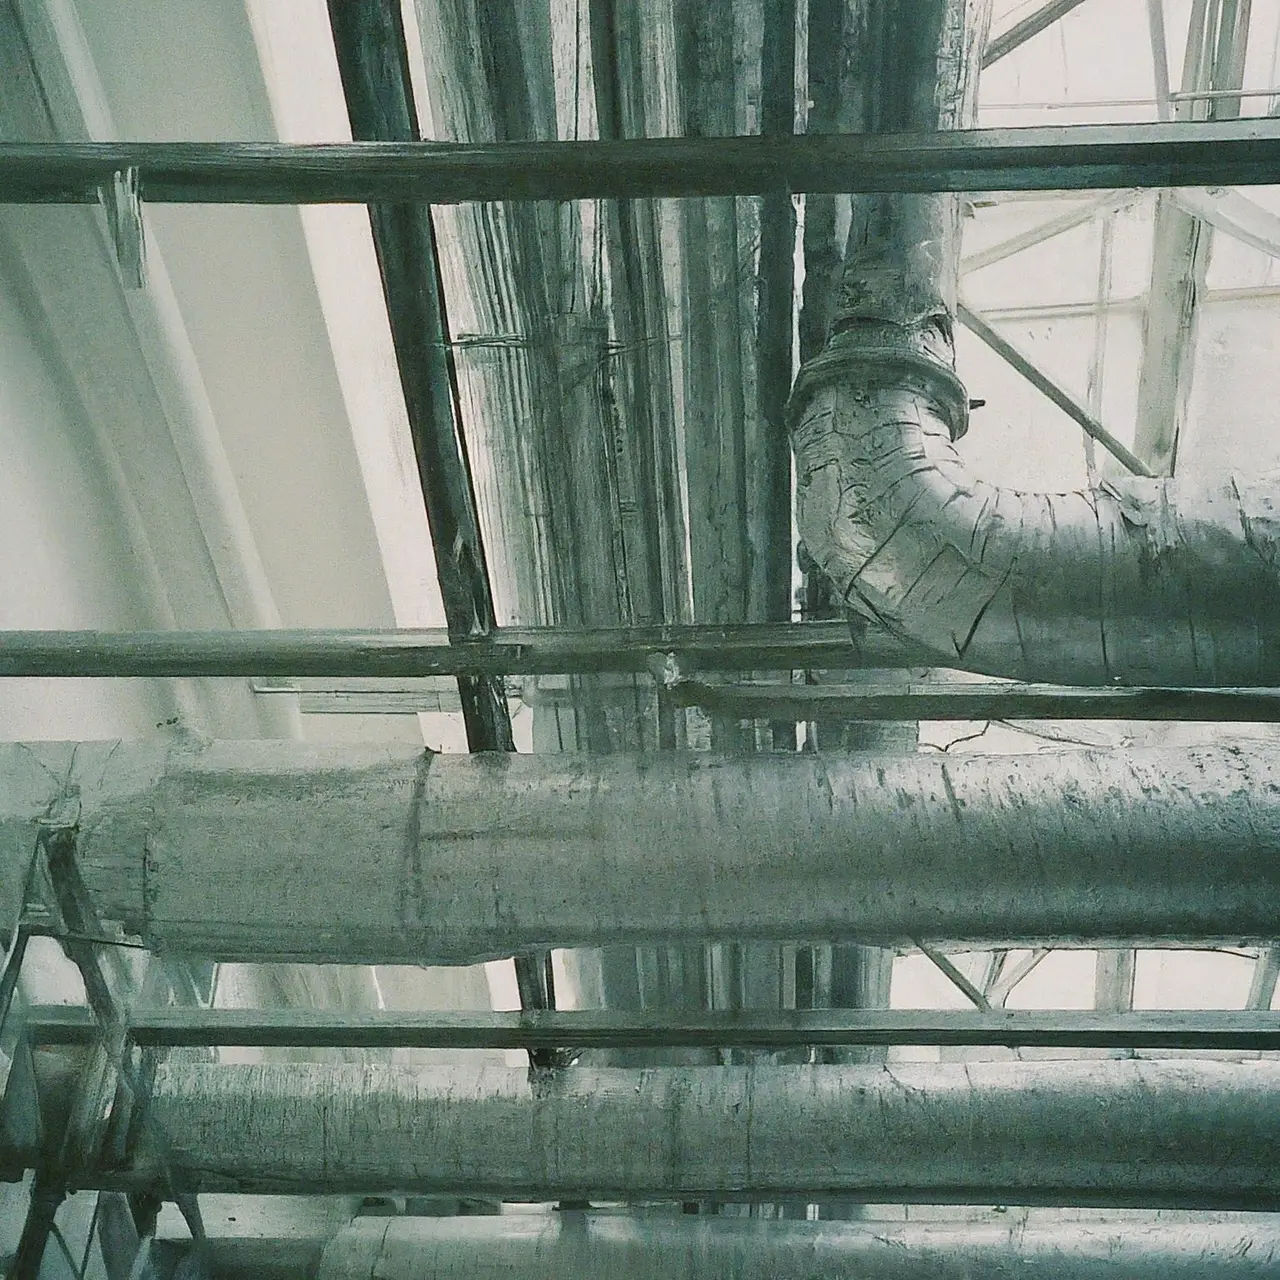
(874, 355)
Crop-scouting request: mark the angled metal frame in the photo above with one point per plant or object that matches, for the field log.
(1049, 388)
(1086, 213)
(1032, 25)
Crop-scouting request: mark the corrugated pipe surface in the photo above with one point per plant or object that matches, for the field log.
(1138, 581)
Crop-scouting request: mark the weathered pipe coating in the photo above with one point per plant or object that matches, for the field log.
(1140, 581)
(377, 853)
(565, 1246)
(1194, 1134)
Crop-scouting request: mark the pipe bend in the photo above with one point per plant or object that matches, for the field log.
(1135, 581)
(1138, 582)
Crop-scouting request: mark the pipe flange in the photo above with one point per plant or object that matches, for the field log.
(879, 366)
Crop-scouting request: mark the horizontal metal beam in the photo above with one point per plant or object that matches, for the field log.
(615, 1029)
(563, 1246)
(386, 853)
(1181, 1134)
(983, 700)
(1064, 157)
(429, 652)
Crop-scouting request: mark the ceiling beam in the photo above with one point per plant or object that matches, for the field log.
(373, 59)
(867, 704)
(1234, 213)
(1262, 986)
(1083, 215)
(1050, 158)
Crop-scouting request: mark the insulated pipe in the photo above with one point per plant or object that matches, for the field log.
(1190, 1134)
(1137, 581)
(386, 853)
(568, 1246)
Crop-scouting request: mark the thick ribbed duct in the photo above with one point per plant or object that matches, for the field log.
(570, 1246)
(1191, 1134)
(386, 853)
(1137, 580)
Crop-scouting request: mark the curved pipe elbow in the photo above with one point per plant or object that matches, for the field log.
(1135, 582)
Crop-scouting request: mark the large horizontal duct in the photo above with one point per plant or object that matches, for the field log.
(567, 1246)
(1114, 1133)
(383, 853)
(1139, 581)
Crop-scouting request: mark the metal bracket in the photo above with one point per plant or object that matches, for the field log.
(123, 205)
(665, 669)
(106, 1074)
(20, 1125)
(12, 1020)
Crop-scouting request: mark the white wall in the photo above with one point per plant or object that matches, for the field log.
(65, 559)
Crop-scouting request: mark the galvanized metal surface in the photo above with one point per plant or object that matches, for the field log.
(1137, 581)
(1050, 158)
(379, 853)
(585, 1247)
(1168, 1134)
